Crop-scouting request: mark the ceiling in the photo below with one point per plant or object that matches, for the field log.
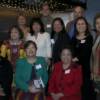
(34, 5)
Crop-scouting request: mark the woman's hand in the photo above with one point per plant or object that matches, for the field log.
(1, 91)
(92, 76)
(48, 61)
(75, 59)
(60, 94)
(57, 96)
(33, 89)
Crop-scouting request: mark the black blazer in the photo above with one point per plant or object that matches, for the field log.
(6, 76)
(61, 41)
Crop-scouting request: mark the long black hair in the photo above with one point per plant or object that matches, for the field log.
(62, 24)
(36, 20)
(87, 25)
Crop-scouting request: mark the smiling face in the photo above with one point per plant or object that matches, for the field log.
(21, 20)
(30, 50)
(14, 34)
(81, 26)
(66, 56)
(57, 26)
(98, 25)
(78, 12)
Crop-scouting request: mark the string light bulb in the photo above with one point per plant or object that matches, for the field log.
(32, 5)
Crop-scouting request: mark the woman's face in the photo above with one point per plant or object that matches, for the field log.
(36, 27)
(31, 51)
(14, 34)
(81, 26)
(21, 20)
(66, 56)
(98, 25)
(57, 26)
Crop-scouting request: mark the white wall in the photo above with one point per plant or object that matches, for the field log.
(66, 16)
(93, 7)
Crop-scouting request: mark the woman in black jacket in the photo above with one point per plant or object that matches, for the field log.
(82, 43)
(59, 38)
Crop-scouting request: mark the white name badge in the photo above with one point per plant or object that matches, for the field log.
(83, 41)
(38, 66)
(52, 41)
(48, 25)
(67, 71)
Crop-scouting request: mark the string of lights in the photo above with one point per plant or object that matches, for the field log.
(33, 6)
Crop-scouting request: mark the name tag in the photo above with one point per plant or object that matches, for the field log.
(67, 71)
(48, 25)
(52, 41)
(38, 66)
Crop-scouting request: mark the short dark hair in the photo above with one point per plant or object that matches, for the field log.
(80, 4)
(62, 24)
(36, 20)
(19, 30)
(70, 48)
(87, 25)
(28, 43)
(21, 14)
(45, 4)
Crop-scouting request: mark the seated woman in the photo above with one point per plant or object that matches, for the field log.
(6, 76)
(30, 76)
(66, 80)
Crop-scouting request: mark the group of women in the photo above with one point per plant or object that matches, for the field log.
(74, 64)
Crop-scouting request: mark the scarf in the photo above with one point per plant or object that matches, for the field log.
(95, 60)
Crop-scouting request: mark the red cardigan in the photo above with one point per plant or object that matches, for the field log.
(67, 81)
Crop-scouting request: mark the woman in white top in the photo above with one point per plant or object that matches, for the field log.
(41, 38)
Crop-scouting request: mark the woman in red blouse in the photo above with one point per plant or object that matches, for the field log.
(66, 80)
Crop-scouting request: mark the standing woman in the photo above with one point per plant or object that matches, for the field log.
(22, 24)
(82, 48)
(13, 48)
(31, 76)
(95, 58)
(41, 38)
(59, 38)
